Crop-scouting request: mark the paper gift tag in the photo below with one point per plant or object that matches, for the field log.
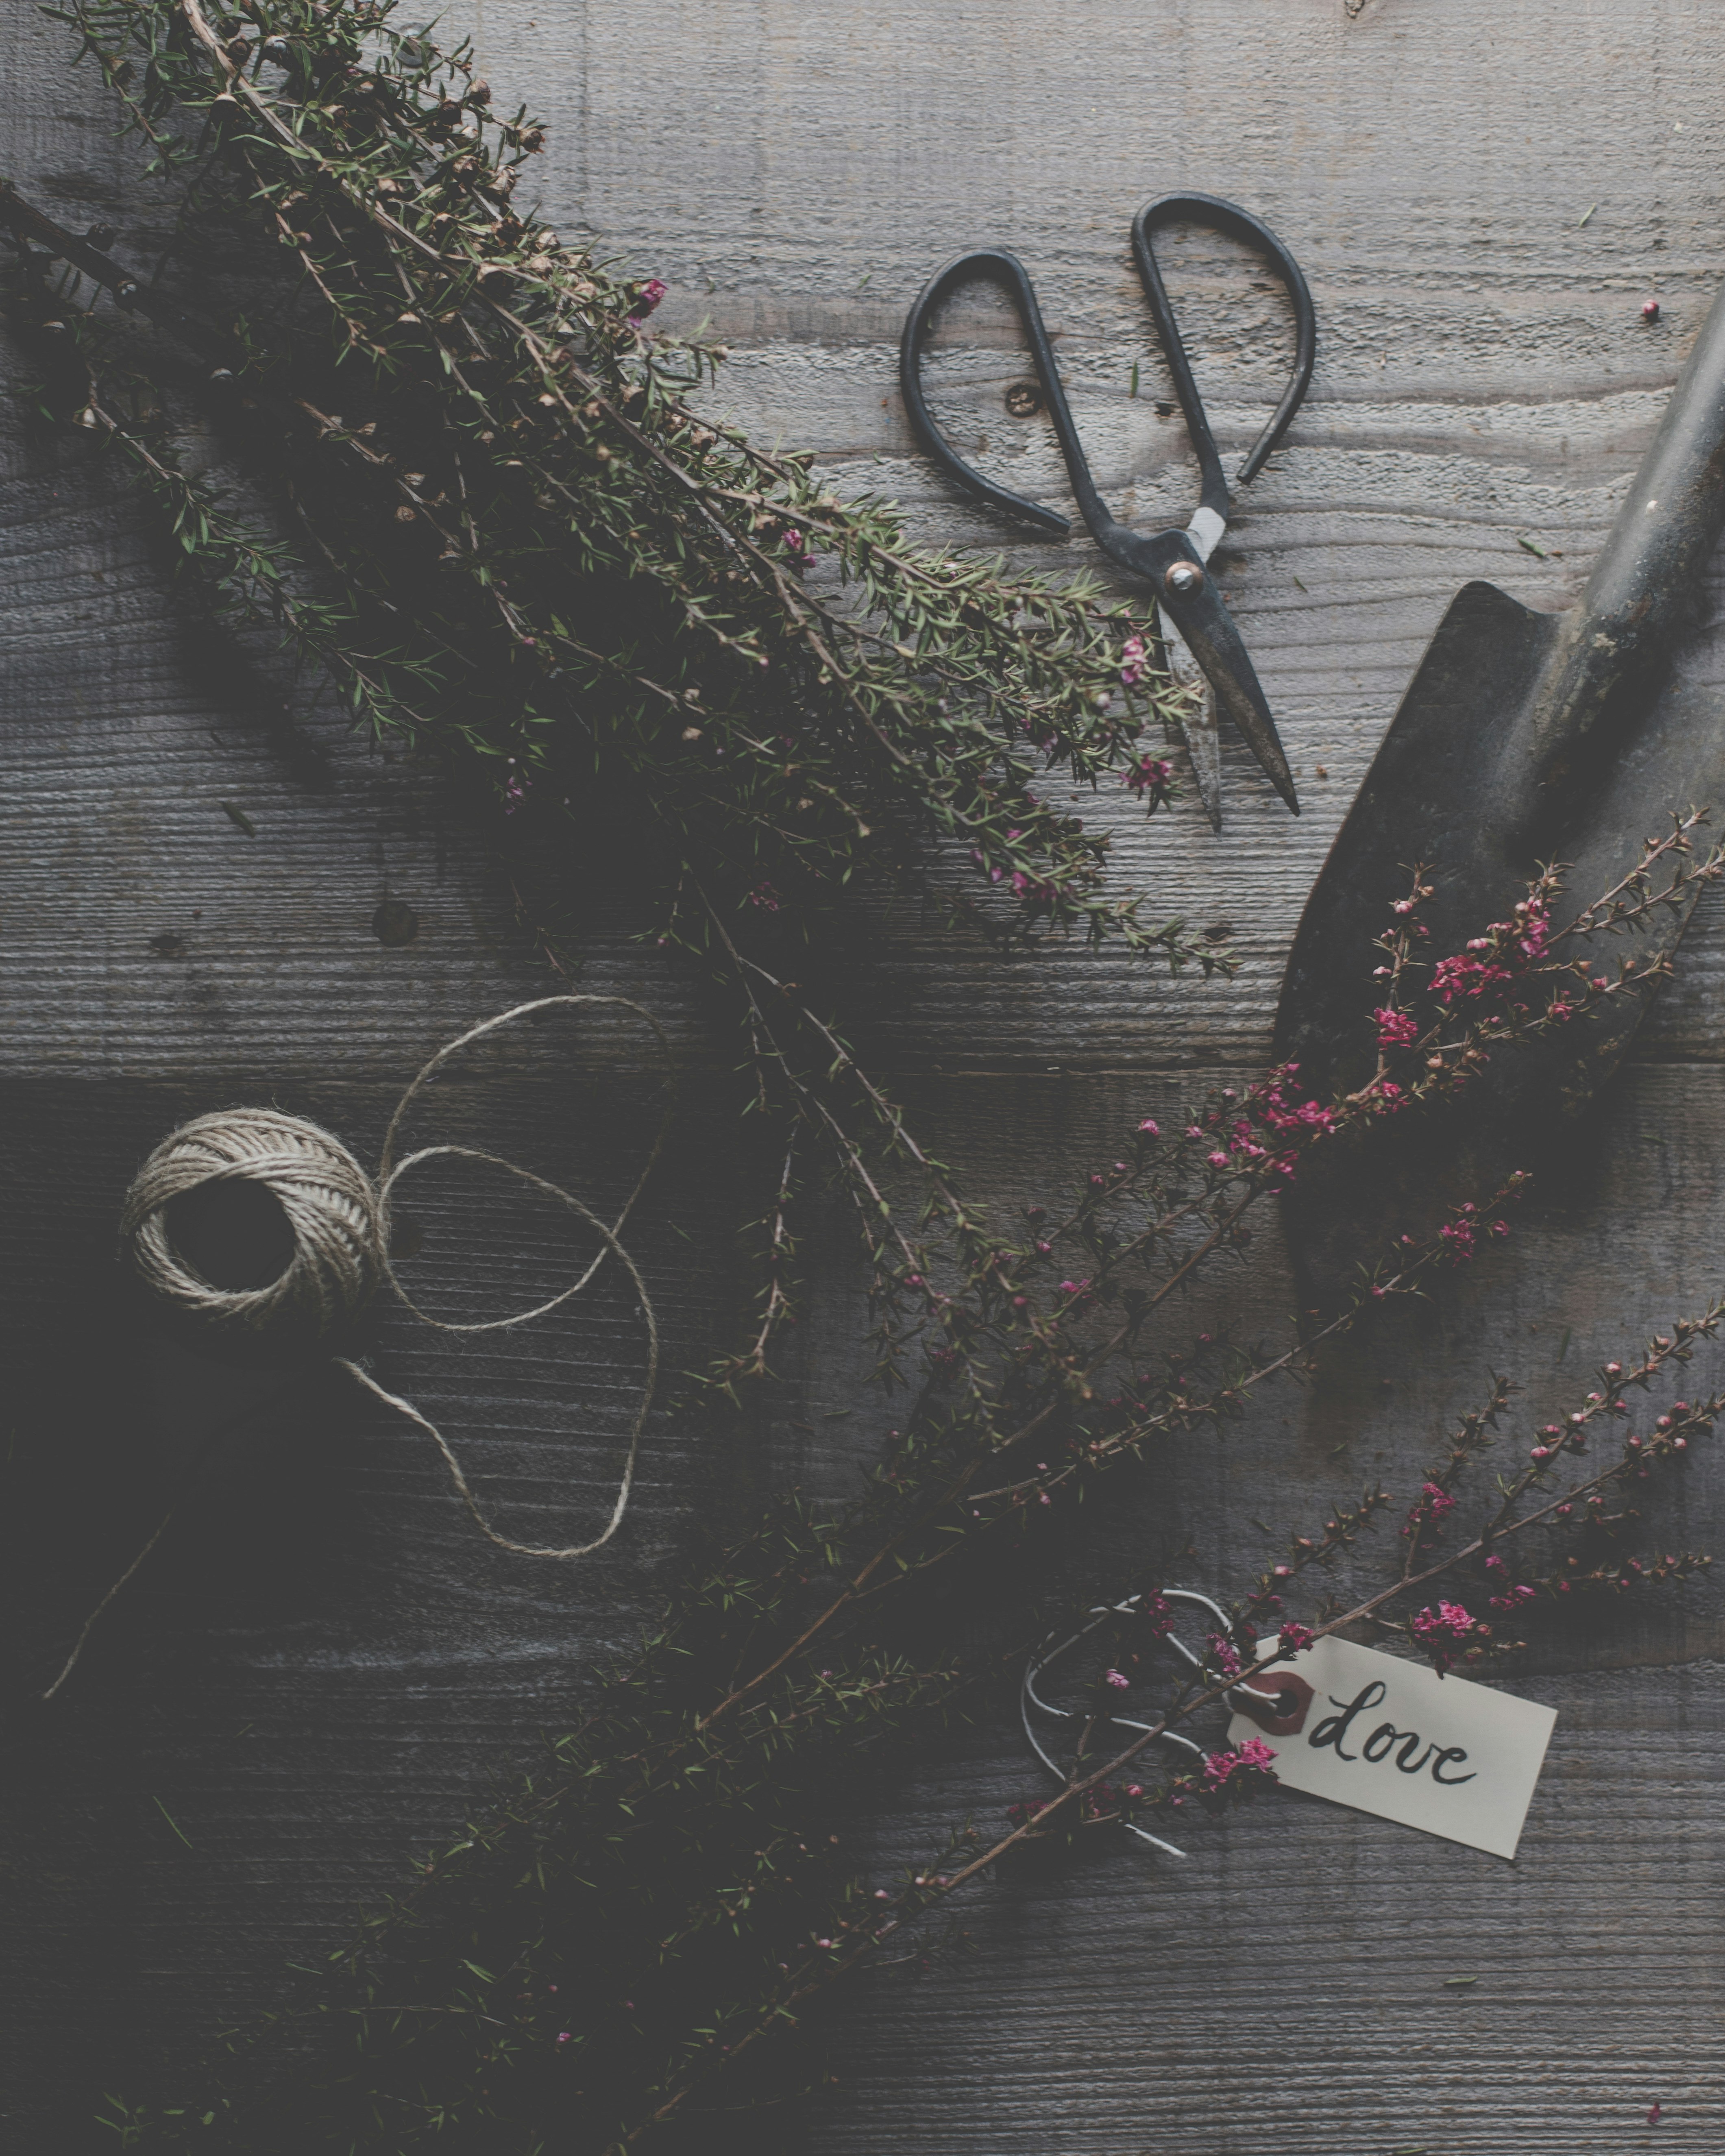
(1394, 1737)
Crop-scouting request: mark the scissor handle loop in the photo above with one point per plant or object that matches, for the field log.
(1005, 269)
(1237, 223)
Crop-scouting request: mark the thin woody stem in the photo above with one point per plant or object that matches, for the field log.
(931, 1892)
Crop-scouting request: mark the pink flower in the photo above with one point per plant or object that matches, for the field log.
(1299, 1637)
(1224, 1654)
(1149, 775)
(1395, 1029)
(1119, 1681)
(1450, 1619)
(1227, 1770)
(648, 298)
(765, 895)
(1150, 1129)
(1435, 1504)
(1440, 1631)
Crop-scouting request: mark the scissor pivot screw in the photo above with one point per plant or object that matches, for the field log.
(1183, 576)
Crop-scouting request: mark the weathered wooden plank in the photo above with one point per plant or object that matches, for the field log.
(324, 1664)
(1446, 422)
(326, 1598)
(327, 1666)
(1289, 1994)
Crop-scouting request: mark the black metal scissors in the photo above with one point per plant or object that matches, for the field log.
(1204, 646)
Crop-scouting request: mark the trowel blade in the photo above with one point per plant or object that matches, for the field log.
(1449, 790)
(1425, 800)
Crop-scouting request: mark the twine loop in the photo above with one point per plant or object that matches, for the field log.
(340, 1222)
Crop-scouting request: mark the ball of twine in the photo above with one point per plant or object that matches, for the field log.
(339, 1220)
(334, 1213)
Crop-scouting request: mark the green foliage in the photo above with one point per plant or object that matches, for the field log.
(636, 1921)
(541, 557)
(514, 539)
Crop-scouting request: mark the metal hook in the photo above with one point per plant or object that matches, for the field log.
(1195, 1661)
(1052, 1650)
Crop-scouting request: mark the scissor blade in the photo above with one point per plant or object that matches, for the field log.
(1204, 745)
(1197, 726)
(1208, 629)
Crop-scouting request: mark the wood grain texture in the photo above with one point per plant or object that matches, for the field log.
(324, 1667)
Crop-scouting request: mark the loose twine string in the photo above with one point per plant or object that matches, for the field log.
(340, 1221)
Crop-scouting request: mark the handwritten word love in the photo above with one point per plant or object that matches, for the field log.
(1465, 1759)
(1385, 1739)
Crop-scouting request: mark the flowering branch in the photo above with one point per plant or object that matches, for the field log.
(520, 544)
(777, 1660)
(1518, 977)
(559, 572)
(1098, 1796)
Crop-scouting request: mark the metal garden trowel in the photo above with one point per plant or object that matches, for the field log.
(1523, 738)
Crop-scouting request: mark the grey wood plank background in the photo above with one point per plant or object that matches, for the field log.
(324, 1667)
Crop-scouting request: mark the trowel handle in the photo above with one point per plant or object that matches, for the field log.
(1643, 584)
